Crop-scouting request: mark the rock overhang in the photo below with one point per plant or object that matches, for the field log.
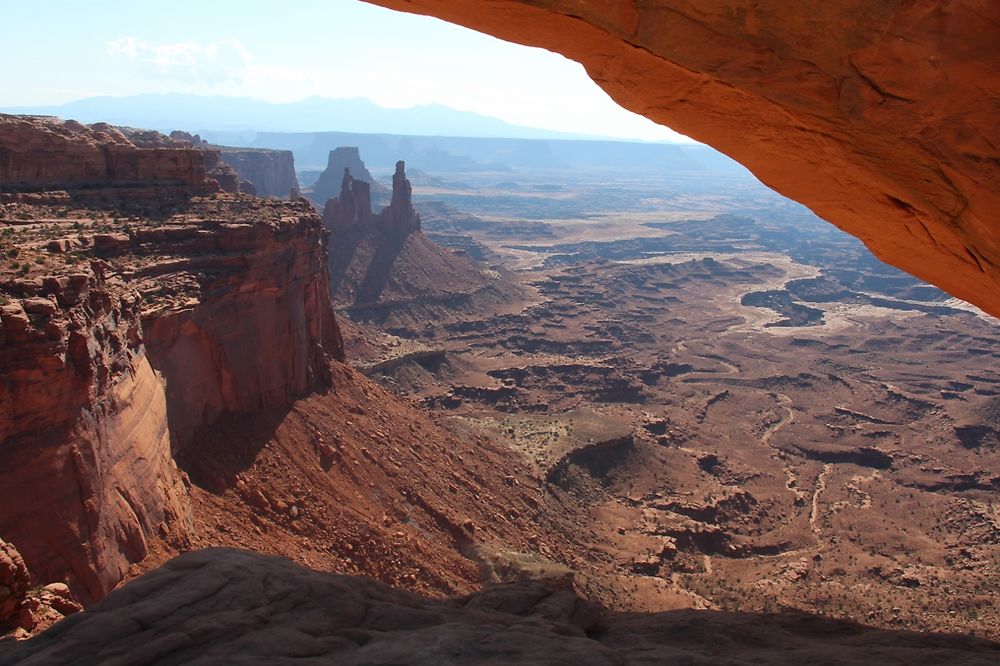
(880, 117)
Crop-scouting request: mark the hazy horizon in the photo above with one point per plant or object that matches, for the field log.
(315, 113)
(280, 54)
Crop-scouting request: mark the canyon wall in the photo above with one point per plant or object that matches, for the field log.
(244, 320)
(881, 117)
(127, 326)
(86, 474)
(271, 172)
(37, 153)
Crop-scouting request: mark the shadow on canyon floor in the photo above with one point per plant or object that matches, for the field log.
(218, 453)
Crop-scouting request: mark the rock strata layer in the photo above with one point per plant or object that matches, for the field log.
(45, 153)
(271, 172)
(241, 318)
(880, 117)
(86, 475)
(125, 327)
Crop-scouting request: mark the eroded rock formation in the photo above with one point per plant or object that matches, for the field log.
(352, 210)
(86, 474)
(226, 296)
(330, 181)
(382, 265)
(881, 118)
(399, 215)
(271, 172)
(14, 582)
(38, 153)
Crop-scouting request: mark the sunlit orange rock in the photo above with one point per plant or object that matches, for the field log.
(147, 305)
(86, 475)
(46, 153)
(881, 117)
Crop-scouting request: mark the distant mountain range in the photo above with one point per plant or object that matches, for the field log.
(453, 154)
(434, 138)
(315, 114)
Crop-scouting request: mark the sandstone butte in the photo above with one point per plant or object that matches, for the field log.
(383, 267)
(328, 185)
(879, 116)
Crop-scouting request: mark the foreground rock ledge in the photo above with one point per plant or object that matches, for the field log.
(881, 117)
(230, 606)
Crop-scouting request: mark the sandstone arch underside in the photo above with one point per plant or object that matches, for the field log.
(880, 115)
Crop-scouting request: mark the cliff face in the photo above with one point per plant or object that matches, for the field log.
(86, 474)
(271, 172)
(880, 117)
(46, 153)
(123, 329)
(243, 321)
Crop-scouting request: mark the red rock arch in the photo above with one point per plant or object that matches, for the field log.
(883, 116)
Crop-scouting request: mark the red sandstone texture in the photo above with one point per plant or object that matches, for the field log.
(86, 475)
(14, 582)
(880, 117)
(48, 153)
(225, 296)
(238, 314)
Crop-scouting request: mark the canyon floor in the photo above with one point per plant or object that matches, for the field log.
(749, 410)
(673, 419)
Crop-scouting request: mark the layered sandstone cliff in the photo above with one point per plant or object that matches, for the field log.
(126, 327)
(45, 153)
(218, 169)
(271, 172)
(239, 316)
(86, 475)
(880, 117)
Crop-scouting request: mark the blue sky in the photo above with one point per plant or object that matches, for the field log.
(59, 51)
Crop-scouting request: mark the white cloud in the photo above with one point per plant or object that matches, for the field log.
(220, 62)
